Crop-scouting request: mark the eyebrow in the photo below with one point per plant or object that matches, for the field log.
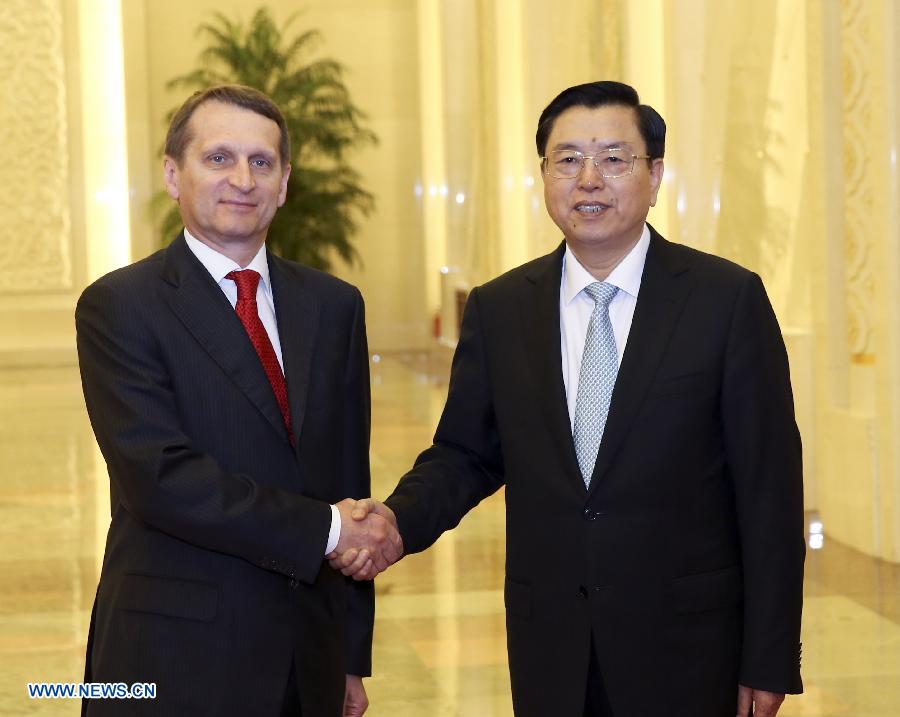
(616, 144)
(225, 148)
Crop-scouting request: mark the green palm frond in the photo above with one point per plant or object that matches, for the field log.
(326, 199)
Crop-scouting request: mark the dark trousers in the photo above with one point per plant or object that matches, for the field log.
(596, 703)
(291, 706)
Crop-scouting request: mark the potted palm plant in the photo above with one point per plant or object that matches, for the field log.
(325, 196)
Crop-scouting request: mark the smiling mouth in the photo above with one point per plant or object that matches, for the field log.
(591, 208)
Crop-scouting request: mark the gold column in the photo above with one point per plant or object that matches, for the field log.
(515, 162)
(434, 173)
(644, 68)
(888, 261)
(104, 173)
(105, 161)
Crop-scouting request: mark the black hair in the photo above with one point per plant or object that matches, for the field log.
(597, 94)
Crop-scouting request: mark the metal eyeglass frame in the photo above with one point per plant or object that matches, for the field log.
(593, 157)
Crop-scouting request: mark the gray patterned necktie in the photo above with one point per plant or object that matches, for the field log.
(599, 366)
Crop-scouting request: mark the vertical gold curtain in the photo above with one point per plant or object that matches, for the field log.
(783, 131)
(501, 62)
(504, 60)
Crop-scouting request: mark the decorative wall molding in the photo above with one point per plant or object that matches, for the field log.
(35, 236)
(858, 64)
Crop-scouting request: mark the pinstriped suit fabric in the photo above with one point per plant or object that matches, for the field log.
(213, 579)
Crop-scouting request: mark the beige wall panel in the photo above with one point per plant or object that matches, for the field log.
(35, 242)
(41, 260)
(848, 481)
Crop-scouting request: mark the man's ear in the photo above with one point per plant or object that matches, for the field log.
(170, 176)
(282, 189)
(657, 168)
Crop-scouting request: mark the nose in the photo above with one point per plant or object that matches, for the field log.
(242, 178)
(589, 174)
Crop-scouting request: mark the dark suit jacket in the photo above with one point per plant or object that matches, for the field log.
(213, 577)
(685, 557)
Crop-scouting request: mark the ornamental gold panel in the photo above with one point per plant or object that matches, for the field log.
(35, 237)
(858, 129)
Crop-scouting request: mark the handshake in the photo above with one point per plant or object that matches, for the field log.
(370, 542)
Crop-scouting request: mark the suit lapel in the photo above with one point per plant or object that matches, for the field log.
(206, 313)
(297, 311)
(664, 289)
(540, 319)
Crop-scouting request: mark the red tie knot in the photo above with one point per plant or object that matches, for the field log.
(247, 282)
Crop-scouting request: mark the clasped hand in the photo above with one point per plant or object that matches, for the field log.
(370, 542)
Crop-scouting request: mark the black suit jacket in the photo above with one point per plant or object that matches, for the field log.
(213, 577)
(685, 556)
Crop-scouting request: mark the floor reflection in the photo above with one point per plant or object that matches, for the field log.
(440, 646)
(48, 535)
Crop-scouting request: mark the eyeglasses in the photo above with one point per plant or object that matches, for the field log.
(568, 163)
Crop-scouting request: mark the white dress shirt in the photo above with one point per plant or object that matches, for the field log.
(575, 308)
(218, 265)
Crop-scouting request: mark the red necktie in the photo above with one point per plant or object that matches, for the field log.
(247, 282)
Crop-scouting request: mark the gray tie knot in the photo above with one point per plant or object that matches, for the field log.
(601, 292)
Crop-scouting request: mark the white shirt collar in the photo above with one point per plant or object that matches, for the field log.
(626, 275)
(218, 265)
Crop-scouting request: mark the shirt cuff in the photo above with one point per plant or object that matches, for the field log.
(334, 534)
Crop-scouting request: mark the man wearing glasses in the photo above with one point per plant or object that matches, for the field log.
(633, 397)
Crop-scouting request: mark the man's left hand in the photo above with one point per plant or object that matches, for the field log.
(764, 704)
(355, 700)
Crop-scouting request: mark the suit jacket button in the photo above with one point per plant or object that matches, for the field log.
(582, 591)
(293, 584)
(591, 515)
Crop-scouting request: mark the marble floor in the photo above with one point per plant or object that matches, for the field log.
(439, 644)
